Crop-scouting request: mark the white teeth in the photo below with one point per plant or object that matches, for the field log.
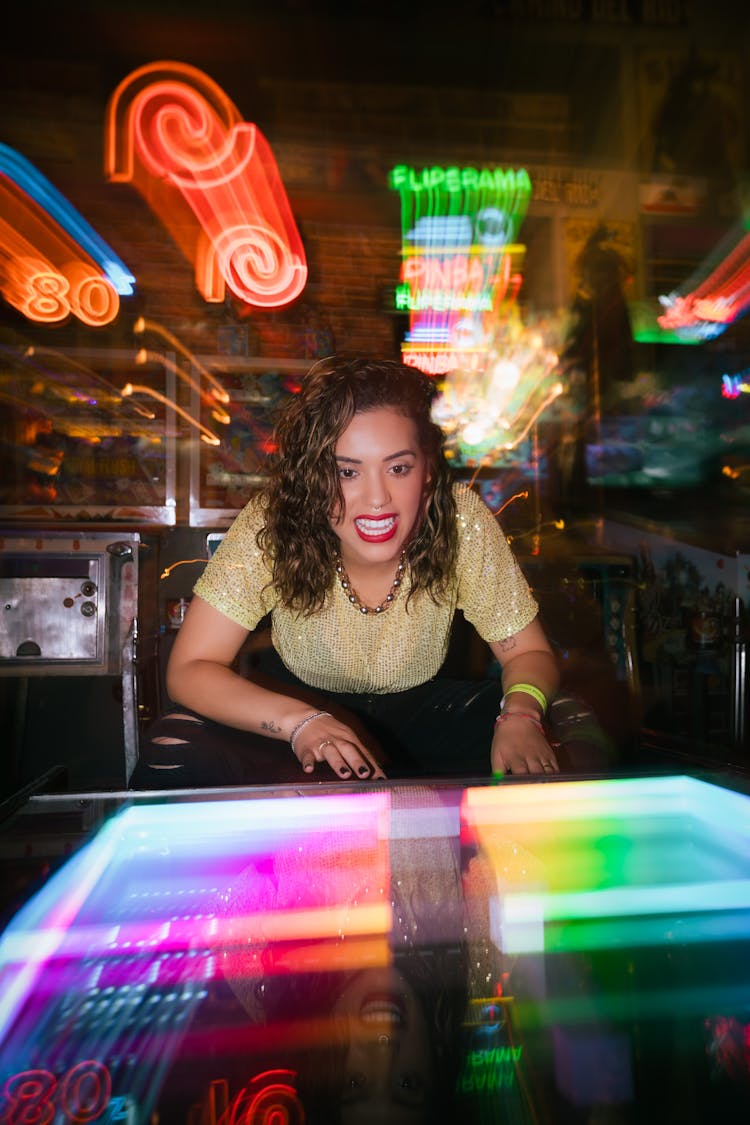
(381, 1012)
(376, 527)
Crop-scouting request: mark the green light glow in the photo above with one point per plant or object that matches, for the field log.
(460, 191)
(640, 862)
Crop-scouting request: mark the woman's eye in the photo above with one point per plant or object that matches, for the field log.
(347, 474)
(400, 470)
(411, 1082)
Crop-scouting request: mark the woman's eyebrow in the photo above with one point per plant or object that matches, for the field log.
(390, 457)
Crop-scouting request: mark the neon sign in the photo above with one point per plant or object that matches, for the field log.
(718, 299)
(56, 265)
(460, 259)
(34, 1095)
(268, 1097)
(504, 192)
(211, 178)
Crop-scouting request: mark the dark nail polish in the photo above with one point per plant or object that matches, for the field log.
(344, 771)
(362, 771)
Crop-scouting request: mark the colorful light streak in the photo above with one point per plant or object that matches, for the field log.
(613, 855)
(162, 892)
(211, 178)
(734, 472)
(180, 562)
(49, 200)
(26, 949)
(489, 415)
(719, 297)
(206, 435)
(160, 904)
(143, 356)
(92, 388)
(732, 386)
(142, 326)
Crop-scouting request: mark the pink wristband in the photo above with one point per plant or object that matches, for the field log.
(505, 715)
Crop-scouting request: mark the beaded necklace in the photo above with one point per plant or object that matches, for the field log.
(354, 597)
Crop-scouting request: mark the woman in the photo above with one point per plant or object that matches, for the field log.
(361, 550)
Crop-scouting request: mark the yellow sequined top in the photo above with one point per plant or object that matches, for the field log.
(340, 649)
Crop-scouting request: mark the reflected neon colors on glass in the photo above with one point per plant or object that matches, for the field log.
(613, 863)
(211, 179)
(178, 887)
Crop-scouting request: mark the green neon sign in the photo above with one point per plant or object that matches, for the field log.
(474, 192)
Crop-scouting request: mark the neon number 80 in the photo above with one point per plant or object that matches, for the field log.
(42, 293)
(32, 1097)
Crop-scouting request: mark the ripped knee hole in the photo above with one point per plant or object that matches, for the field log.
(165, 740)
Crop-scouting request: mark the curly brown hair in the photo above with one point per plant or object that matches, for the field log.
(304, 487)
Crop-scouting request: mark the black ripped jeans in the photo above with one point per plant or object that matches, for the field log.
(442, 728)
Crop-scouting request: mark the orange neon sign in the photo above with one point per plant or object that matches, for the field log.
(211, 178)
(45, 273)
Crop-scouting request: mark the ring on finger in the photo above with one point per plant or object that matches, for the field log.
(325, 742)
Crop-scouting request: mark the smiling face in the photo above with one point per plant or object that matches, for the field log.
(383, 475)
(389, 1070)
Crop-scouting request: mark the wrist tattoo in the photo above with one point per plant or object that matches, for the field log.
(270, 726)
(507, 644)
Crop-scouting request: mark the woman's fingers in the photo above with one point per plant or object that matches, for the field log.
(346, 757)
(532, 764)
(528, 754)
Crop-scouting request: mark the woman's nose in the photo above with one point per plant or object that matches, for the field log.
(379, 495)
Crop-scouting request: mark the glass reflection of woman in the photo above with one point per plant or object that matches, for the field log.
(378, 1043)
(390, 1073)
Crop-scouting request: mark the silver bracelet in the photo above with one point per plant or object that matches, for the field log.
(300, 726)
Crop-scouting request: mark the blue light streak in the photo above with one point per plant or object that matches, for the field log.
(38, 188)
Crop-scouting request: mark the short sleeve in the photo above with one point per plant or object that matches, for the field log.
(236, 580)
(492, 590)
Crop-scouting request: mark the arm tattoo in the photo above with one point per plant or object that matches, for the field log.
(508, 644)
(270, 726)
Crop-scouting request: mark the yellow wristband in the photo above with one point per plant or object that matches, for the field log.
(534, 692)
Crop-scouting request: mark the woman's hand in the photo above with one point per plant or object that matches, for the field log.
(325, 739)
(519, 746)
